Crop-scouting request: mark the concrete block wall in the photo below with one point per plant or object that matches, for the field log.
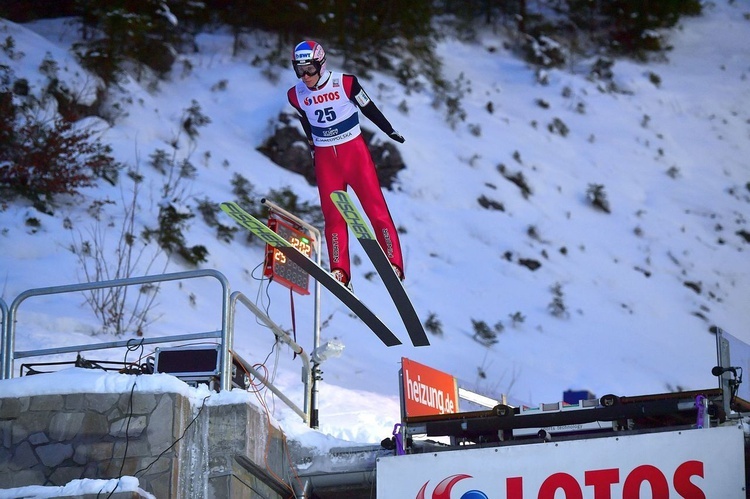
(247, 455)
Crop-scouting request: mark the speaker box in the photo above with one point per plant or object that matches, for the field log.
(199, 365)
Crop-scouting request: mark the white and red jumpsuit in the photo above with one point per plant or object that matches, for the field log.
(329, 115)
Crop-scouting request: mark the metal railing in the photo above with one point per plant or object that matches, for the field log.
(225, 335)
(3, 332)
(305, 412)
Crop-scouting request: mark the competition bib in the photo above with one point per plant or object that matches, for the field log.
(333, 117)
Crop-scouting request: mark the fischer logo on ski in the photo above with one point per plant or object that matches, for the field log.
(351, 215)
(317, 272)
(382, 264)
(252, 224)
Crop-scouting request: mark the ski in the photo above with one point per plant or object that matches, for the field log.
(318, 273)
(370, 244)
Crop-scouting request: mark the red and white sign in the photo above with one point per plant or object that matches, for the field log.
(689, 464)
(427, 391)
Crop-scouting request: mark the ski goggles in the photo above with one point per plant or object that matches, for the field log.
(305, 69)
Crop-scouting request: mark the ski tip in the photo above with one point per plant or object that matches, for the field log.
(227, 207)
(339, 195)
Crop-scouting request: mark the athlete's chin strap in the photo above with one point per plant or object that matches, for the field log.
(324, 79)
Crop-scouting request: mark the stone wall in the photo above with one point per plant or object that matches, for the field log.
(53, 439)
(175, 449)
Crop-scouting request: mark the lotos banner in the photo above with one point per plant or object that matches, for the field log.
(685, 464)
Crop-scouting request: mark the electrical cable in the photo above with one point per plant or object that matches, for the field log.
(735, 386)
(130, 348)
(258, 387)
(133, 345)
(294, 320)
(127, 439)
(265, 305)
(259, 302)
(162, 453)
(275, 371)
(273, 348)
(267, 412)
(262, 304)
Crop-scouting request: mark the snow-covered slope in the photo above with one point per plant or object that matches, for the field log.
(638, 288)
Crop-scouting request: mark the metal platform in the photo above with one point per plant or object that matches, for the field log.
(605, 415)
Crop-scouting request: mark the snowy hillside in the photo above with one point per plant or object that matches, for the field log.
(579, 298)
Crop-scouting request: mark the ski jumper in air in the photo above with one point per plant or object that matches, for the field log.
(328, 104)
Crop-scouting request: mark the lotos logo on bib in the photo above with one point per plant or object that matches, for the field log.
(321, 98)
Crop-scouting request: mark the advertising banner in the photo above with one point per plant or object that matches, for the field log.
(688, 464)
(427, 391)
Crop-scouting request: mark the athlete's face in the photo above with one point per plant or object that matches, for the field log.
(311, 81)
(309, 74)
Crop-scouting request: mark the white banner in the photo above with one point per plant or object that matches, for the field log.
(689, 464)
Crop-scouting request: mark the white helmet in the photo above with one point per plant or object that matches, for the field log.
(309, 56)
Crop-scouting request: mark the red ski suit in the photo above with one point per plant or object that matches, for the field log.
(329, 115)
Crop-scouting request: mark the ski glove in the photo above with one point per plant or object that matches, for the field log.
(397, 136)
